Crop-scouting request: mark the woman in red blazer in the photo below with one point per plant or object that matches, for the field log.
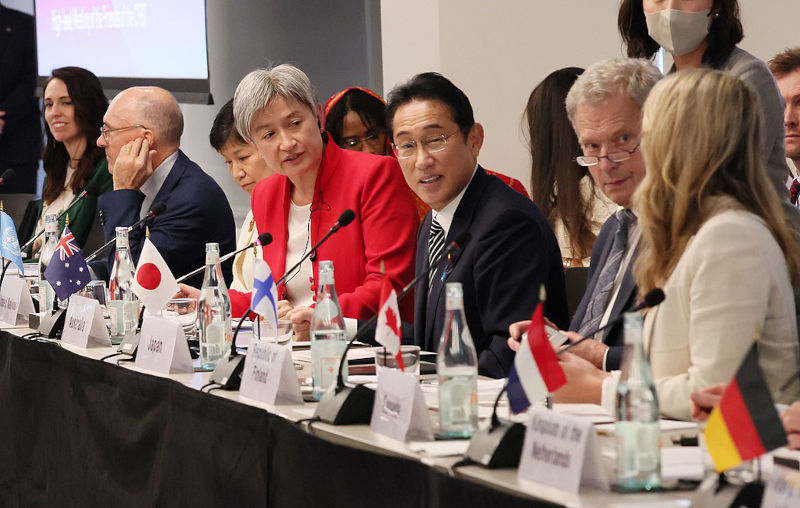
(275, 109)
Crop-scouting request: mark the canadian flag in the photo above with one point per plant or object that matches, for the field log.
(154, 283)
(387, 332)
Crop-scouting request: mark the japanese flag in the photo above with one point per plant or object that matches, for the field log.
(387, 332)
(154, 283)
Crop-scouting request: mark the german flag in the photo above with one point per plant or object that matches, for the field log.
(745, 424)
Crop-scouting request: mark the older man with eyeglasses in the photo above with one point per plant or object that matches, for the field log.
(604, 106)
(512, 250)
(141, 135)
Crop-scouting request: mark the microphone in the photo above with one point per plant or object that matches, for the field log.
(651, 299)
(60, 215)
(228, 373)
(264, 239)
(345, 405)
(500, 444)
(345, 218)
(8, 173)
(155, 210)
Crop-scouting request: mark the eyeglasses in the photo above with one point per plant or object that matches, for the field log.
(408, 149)
(354, 142)
(594, 160)
(105, 131)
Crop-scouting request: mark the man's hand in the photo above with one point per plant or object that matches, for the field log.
(584, 381)
(791, 424)
(2, 122)
(133, 165)
(301, 322)
(515, 331)
(703, 401)
(593, 351)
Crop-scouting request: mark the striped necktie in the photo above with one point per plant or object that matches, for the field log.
(608, 274)
(435, 246)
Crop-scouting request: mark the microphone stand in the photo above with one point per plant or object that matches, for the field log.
(58, 218)
(228, 373)
(227, 256)
(93, 255)
(346, 405)
(500, 445)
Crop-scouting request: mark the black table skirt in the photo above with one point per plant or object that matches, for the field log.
(79, 432)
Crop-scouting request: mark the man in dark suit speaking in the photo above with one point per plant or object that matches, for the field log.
(141, 135)
(512, 250)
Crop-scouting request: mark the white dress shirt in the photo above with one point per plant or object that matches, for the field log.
(152, 185)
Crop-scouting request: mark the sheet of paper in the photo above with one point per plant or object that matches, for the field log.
(684, 462)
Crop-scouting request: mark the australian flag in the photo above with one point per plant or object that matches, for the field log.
(67, 272)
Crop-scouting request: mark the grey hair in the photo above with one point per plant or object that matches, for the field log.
(262, 86)
(634, 76)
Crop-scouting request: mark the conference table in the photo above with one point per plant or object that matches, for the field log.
(80, 431)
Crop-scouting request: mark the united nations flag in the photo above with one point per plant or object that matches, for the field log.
(9, 245)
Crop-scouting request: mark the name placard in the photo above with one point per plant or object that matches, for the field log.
(399, 411)
(163, 347)
(560, 451)
(15, 299)
(269, 375)
(84, 325)
(783, 488)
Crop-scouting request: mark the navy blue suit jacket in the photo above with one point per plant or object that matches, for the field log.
(512, 251)
(197, 212)
(626, 299)
(21, 140)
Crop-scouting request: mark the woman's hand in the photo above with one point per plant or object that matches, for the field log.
(283, 308)
(301, 322)
(703, 401)
(185, 291)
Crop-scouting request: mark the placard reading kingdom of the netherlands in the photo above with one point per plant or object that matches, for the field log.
(162, 347)
(560, 451)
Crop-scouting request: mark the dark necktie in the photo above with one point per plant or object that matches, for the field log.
(608, 274)
(794, 190)
(435, 246)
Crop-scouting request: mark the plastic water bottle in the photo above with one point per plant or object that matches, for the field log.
(123, 306)
(457, 368)
(637, 428)
(213, 312)
(46, 293)
(328, 340)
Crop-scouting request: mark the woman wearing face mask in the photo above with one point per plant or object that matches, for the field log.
(705, 33)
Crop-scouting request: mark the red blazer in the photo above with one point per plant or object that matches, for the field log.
(384, 229)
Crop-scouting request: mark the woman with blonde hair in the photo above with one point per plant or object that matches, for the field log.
(715, 239)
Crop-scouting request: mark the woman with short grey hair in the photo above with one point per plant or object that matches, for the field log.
(315, 181)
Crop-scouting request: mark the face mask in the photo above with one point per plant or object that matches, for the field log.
(678, 32)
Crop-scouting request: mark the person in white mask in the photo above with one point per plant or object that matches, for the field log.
(705, 33)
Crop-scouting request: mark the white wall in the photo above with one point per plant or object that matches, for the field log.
(498, 51)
